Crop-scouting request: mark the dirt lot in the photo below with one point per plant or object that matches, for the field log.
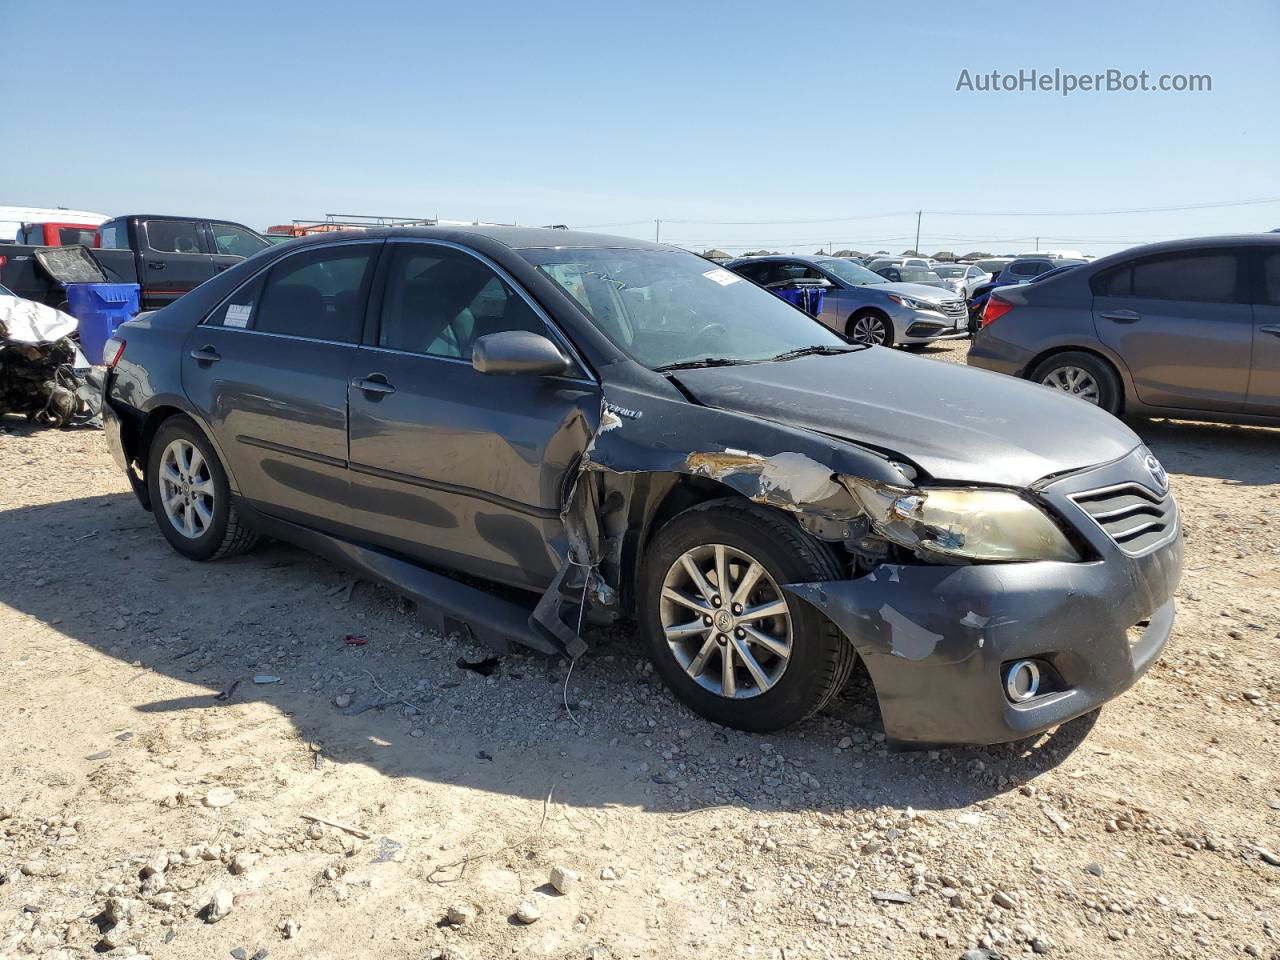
(148, 783)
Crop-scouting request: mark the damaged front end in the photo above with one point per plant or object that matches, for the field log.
(947, 586)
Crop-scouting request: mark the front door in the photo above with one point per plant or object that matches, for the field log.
(1183, 325)
(449, 465)
(1264, 382)
(268, 371)
(173, 260)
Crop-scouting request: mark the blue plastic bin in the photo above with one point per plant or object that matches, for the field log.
(807, 298)
(100, 308)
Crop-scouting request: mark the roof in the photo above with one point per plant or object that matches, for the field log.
(518, 238)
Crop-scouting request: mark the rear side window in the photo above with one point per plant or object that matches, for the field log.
(68, 236)
(1207, 277)
(1116, 282)
(319, 295)
(439, 301)
(1028, 268)
(172, 236)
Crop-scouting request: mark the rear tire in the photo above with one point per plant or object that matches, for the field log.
(190, 495)
(770, 690)
(1082, 375)
(870, 326)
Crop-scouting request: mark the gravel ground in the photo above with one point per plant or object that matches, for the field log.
(380, 799)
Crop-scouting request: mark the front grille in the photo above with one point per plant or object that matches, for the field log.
(1135, 517)
(955, 309)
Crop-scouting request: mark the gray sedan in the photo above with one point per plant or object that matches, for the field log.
(1187, 329)
(862, 305)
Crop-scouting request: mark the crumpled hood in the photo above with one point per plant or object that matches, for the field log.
(956, 422)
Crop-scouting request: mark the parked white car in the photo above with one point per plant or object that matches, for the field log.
(962, 278)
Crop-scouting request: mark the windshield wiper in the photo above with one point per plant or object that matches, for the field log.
(705, 362)
(826, 350)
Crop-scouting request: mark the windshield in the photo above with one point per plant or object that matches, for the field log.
(664, 307)
(949, 273)
(850, 273)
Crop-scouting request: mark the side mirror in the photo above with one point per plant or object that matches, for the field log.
(514, 352)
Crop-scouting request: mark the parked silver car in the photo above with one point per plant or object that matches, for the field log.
(1187, 329)
(861, 305)
(963, 278)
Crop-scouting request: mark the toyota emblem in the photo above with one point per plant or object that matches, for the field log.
(1158, 473)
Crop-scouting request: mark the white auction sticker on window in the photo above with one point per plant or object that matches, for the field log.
(722, 276)
(238, 315)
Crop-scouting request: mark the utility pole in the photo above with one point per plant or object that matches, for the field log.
(657, 231)
(1037, 244)
(919, 214)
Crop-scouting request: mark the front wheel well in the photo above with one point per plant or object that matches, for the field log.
(1034, 363)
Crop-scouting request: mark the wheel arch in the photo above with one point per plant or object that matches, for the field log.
(1121, 371)
(138, 446)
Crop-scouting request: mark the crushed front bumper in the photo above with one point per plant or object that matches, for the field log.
(936, 639)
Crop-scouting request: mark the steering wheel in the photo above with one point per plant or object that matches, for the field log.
(715, 329)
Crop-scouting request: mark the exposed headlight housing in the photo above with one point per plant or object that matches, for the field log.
(963, 523)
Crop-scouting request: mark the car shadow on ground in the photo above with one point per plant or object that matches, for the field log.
(1247, 456)
(97, 570)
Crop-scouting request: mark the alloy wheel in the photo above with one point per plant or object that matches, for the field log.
(870, 330)
(726, 621)
(1075, 381)
(186, 489)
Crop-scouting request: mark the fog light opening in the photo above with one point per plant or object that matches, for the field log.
(1022, 682)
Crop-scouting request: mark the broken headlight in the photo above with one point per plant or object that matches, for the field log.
(962, 523)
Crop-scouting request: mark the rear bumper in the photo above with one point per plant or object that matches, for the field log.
(989, 352)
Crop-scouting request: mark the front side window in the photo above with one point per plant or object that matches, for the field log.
(319, 295)
(665, 307)
(439, 301)
(172, 236)
(236, 241)
(1205, 277)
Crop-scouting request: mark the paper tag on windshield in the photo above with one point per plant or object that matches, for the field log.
(722, 276)
(238, 315)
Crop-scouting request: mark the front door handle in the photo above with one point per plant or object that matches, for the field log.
(374, 383)
(221, 266)
(205, 354)
(156, 265)
(1271, 328)
(1122, 316)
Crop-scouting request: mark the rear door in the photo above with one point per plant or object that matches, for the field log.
(449, 465)
(1264, 382)
(1182, 324)
(230, 243)
(268, 371)
(173, 260)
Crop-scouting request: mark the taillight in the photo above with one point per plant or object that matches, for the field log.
(994, 310)
(3, 261)
(112, 351)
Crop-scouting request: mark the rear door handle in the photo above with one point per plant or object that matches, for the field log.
(205, 354)
(1271, 328)
(1122, 316)
(374, 383)
(156, 265)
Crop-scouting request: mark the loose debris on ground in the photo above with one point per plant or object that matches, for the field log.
(390, 800)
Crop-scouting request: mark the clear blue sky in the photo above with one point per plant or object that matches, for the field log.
(600, 113)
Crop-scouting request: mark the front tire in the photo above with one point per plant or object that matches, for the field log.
(190, 495)
(1082, 375)
(724, 636)
(870, 327)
